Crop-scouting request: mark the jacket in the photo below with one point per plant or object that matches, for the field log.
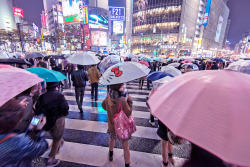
(79, 78)
(94, 75)
(111, 106)
(53, 105)
(20, 148)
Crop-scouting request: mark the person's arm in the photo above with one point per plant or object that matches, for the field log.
(98, 74)
(127, 106)
(72, 77)
(104, 104)
(86, 76)
(64, 106)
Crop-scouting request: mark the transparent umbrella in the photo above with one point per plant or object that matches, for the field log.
(240, 66)
(109, 61)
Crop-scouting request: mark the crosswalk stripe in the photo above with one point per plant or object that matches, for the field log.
(98, 156)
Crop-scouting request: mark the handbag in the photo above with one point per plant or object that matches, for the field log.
(124, 126)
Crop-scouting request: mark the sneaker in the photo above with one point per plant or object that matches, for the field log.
(151, 123)
(52, 163)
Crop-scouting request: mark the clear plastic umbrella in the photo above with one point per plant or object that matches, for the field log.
(123, 72)
(4, 55)
(161, 81)
(34, 55)
(190, 66)
(171, 70)
(109, 61)
(174, 64)
(240, 66)
(83, 58)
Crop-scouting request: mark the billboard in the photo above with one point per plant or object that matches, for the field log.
(98, 21)
(71, 7)
(18, 12)
(118, 27)
(85, 15)
(71, 19)
(117, 13)
(206, 15)
(219, 27)
(99, 38)
(43, 18)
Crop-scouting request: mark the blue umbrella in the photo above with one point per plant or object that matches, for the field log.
(157, 75)
(48, 75)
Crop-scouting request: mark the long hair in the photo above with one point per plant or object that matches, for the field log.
(11, 113)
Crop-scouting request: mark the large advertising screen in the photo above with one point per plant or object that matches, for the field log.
(71, 7)
(99, 38)
(117, 13)
(219, 27)
(98, 21)
(118, 27)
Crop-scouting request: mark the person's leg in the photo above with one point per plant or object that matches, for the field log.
(77, 92)
(92, 91)
(152, 120)
(148, 84)
(170, 153)
(56, 133)
(69, 77)
(126, 151)
(111, 148)
(82, 95)
(140, 84)
(96, 91)
(164, 152)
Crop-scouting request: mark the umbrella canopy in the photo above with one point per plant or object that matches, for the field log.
(14, 81)
(144, 63)
(157, 75)
(174, 64)
(149, 59)
(173, 58)
(15, 55)
(209, 109)
(190, 66)
(12, 61)
(159, 59)
(218, 60)
(186, 61)
(123, 72)
(134, 59)
(108, 62)
(159, 82)
(48, 75)
(34, 55)
(83, 58)
(186, 58)
(240, 66)
(171, 70)
(4, 55)
(56, 57)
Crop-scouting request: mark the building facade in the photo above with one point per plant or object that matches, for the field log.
(175, 27)
(7, 21)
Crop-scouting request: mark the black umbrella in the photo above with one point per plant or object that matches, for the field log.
(56, 57)
(218, 60)
(11, 61)
(34, 55)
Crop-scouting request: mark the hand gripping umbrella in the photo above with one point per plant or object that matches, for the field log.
(210, 109)
(123, 72)
(14, 81)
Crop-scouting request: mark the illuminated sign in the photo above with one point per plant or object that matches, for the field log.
(99, 38)
(118, 27)
(71, 8)
(206, 15)
(117, 13)
(98, 21)
(71, 19)
(85, 15)
(18, 12)
(43, 18)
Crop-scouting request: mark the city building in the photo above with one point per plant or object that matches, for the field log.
(180, 27)
(7, 21)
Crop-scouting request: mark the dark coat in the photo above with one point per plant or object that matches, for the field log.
(53, 105)
(79, 78)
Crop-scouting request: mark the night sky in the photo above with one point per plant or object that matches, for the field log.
(239, 14)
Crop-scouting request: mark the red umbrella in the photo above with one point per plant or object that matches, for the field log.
(144, 63)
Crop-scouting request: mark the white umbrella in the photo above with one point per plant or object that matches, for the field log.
(123, 72)
(134, 59)
(83, 58)
(171, 70)
(158, 83)
(174, 64)
(4, 55)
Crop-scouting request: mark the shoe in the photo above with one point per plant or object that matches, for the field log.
(92, 97)
(151, 123)
(96, 99)
(111, 154)
(162, 165)
(81, 111)
(52, 163)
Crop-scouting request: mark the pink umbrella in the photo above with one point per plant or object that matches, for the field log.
(210, 109)
(186, 61)
(144, 63)
(13, 81)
